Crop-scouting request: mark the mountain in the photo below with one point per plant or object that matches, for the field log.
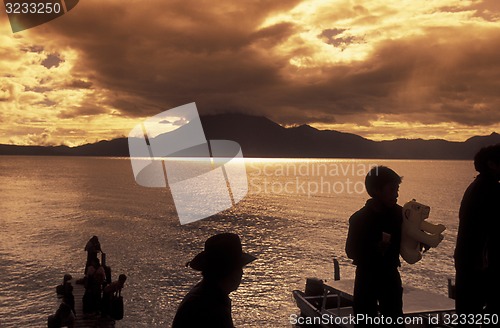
(261, 137)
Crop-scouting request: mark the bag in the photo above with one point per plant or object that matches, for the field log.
(116, 306)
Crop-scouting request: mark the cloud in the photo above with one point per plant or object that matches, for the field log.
(52, 60)
(348, 64)
(338, 38)
(180, 122)
(5, 93)
(79, 84)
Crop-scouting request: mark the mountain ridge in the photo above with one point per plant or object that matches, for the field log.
(261, 137)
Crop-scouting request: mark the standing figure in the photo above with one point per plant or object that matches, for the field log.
(93, 287)
(221, 265)
(477, 250)
(373, 243)
(92, 248)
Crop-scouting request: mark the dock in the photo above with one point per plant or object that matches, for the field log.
(87, 320)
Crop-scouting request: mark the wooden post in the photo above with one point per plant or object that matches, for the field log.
(336, 269)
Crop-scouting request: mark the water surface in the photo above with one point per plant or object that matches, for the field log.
(294, 219)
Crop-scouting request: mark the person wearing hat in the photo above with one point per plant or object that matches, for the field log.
(92, 247)
(221, 264)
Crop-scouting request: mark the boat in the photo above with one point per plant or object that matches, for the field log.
(330, 305)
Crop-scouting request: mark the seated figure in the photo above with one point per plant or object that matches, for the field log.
(63, 317)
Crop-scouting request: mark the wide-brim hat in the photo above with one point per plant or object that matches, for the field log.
(222, 252)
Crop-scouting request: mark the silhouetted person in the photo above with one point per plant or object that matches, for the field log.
(109, 291)
(477, 250)
(61, 289)
(93, 284)
(373, 243)
(92, 248)
(63, 317)
(69, 298)
(221, 265)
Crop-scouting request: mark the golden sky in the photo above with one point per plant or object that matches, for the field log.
(381, 69)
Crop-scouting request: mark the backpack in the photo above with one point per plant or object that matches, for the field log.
(116, 306)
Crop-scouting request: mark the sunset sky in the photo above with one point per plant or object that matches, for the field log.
(380, 69)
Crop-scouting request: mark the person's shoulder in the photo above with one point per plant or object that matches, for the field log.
(359, 214)
(192, 305)
(189, 314)
(481, 190)
(112, 287)
(194, 296)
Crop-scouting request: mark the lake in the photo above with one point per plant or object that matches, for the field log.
(294, 219)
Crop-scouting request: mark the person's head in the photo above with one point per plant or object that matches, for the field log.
(229, 278)
(121, 279)
(222, 261)
(382, 184)
(67, 277)
(487, 161)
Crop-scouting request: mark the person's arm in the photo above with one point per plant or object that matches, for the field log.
(352, 242)
(362, 243)
(111, 288)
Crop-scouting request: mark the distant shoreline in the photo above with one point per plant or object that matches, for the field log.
(260, 137)
(252, 158)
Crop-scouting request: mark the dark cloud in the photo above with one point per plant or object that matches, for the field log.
(47, 103)
(192, 52)
(31, 120)
(488, 10)
(272, 35)
(33, 48)
(336, 39)
(37, 89)
(52, 60)
(79, 84)
(219, 57)
(86, 109)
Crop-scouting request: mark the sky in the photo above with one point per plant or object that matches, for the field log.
(377, 68)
